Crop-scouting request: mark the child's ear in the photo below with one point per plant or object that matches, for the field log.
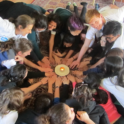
(20, 27)
(19, 53)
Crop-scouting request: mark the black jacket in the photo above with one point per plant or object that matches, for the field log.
(96, 113)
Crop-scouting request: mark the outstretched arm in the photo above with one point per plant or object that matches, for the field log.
(51, 44)
(82, 52)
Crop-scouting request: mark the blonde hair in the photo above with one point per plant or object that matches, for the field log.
(90, 14)
(10, 99)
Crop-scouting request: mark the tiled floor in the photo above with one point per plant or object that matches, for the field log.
(62, 3)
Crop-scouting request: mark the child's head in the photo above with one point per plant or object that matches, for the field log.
(42, 103)
(57, 114)
(116, 52)
(112, 65)
(68, 40)
(82, 94)
(92, 80)
(54, 22)
(40, 21)
(11, 100)
(22, 47)
(24, 24)
(15, 74)
(75, 25)
(94, 18)
(112, 30)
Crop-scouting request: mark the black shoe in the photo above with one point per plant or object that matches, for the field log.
(84, 3)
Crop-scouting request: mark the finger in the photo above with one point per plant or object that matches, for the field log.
(78, 117)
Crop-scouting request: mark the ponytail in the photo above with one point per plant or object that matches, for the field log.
(4, 46)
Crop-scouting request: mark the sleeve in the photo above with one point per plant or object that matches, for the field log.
(11, 118)
(5, 25)
(104, 118)
(91, 32)
(56, 101)
(32, 38)
(34, 57)
(64, 93)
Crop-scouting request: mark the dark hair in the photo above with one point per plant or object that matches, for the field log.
(112, 65)
(116, 52)
(42, 103)
(112, 27)
(40, 20)
(120, 78)
(69, 38)
(75, 23)
(14, 74)
(57, 114)
(23, 20)
(93, 81)
(101, 97)
(55, 18)
(21, 44)
(10, 99)
(82, 94)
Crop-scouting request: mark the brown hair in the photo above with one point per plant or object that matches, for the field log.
(21, 44)
(4, 46)
(10, 99)
(82, 94)
(56, 115)
(90, 14)
(23, 20)
(116, 52)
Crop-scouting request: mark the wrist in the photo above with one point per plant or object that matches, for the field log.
(89, 121)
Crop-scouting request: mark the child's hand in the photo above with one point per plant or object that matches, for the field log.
(49, 74)
(71, 78)
(44, 80)
(65, 80)
(18, 58)
(58, 82)
(52, 79)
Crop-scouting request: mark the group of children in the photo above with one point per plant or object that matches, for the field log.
(94, 39)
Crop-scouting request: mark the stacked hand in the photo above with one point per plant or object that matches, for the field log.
(69, 61)
(59, 54)
(77, 73)
(51, 80)
(52, 61)
(71, 78)
(74, 64)
(45, 69)
(49, 74)
(46, 60)
(57, 60)
(44, 80)
(65, 80)
(58, 82)
(78, 80)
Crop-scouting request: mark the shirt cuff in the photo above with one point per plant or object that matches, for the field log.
(74, 84)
